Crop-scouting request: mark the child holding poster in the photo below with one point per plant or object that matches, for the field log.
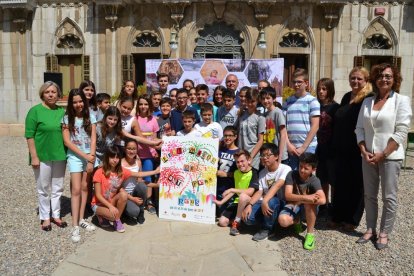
(189, 119)
(149, 127)
(207, 127)
(110, 198)
(246, 181)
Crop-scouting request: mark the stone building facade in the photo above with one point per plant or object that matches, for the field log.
(108, 41)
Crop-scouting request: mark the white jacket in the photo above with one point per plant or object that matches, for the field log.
(392, 122)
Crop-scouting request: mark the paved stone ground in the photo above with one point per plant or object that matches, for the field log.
(161, 247)
(179, 248)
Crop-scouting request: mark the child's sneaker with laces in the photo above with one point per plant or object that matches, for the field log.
(262, 235)
(309, 241)
(86, 225)
(103, 222)
(234, 230)
(118, 226)
(75, 234)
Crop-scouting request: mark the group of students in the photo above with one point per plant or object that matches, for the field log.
(267, 160)
(116, 148)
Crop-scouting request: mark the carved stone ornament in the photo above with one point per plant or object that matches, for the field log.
(69, 41)
(294, 39)
(147, 39)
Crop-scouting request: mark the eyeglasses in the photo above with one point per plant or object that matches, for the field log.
(229, 136)
(384, 76)
(266, 156)
(298, 82)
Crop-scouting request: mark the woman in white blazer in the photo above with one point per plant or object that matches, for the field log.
(382, 127)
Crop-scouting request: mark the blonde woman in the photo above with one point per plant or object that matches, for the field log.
(47, 153)
(348, 192)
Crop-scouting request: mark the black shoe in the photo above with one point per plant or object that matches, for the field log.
(361, 240)
(141, 218)
(379, 245)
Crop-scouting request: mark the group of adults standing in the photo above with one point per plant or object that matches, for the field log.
(370, 126)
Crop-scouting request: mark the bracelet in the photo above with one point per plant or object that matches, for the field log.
(385, 154)
(91, 162)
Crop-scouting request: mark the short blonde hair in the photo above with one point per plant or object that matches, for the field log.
(368, 87)
(46, 85)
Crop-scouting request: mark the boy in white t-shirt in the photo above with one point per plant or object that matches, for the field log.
(265, 204)
(207, 127)
(189, 119)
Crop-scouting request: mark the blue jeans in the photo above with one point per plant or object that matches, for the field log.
(147, 165)
(257, 216)
(293, 162)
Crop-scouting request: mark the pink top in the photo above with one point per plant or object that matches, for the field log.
(149, 129)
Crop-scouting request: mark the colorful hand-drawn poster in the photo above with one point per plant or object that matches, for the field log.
(188, 179)
(213, 72)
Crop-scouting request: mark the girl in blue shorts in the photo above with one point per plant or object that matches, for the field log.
(79, 136)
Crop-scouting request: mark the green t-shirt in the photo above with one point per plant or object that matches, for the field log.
(44, 126)
(245, 180)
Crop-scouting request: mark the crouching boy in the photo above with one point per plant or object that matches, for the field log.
(265, 204)
(303, 189)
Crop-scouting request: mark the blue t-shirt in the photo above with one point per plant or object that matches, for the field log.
(215, 109)
(79, 137)
(299, 112)
(177, 120)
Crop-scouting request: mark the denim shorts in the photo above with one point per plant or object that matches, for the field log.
(76, 164)
(94, 208)
(291, 210)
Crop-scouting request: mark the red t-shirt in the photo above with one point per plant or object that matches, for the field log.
(109, 185)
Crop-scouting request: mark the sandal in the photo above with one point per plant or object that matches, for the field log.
(370, 237)
(59, 223)
(380, 245)
(47, 227)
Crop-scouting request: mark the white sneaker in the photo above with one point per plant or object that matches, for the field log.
(75, 234)
(86, 225)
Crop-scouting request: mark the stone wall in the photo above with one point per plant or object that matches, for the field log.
(331, 51)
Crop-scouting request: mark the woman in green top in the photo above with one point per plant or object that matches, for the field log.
(47, 153)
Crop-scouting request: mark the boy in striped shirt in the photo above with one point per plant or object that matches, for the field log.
(302, 119)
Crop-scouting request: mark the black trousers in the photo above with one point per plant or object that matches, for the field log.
(348, 192)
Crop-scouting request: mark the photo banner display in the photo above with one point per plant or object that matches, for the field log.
(213, 72)
(188, 179)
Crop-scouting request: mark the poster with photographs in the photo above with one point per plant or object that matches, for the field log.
(213, 72)
(188, 179)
